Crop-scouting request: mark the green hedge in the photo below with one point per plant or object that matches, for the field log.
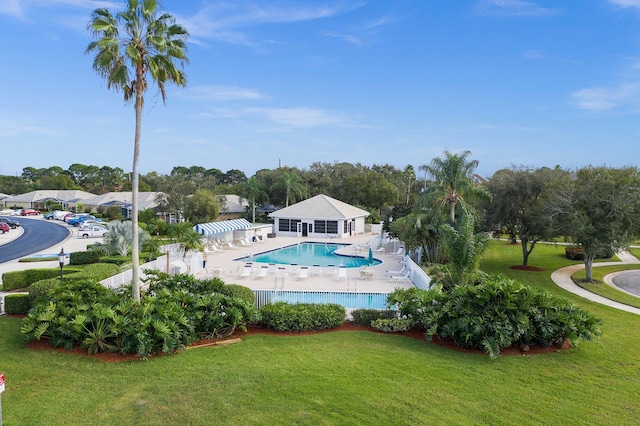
(22, 279)
(364, 317)
(237, 290)
(84, 257)
(392, 325)
(282, 316)
(17, 304)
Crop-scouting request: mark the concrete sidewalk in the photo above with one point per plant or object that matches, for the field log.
(562, 278)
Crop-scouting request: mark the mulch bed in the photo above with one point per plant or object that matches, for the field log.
(415, 333)
(526, 268)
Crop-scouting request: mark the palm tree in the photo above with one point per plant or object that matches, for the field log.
(253, 190)
(130, 47)
(452, 181)
(293, 186)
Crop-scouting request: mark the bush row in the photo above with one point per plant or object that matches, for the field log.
(22, 279)
(168, 318)
(16, 304)
(365, 317)
(283, 316)
(494, 314)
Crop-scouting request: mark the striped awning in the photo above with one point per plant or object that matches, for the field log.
(223, 226)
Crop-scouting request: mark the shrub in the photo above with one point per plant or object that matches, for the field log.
(392, 325)
(364, 317)
(23, 279)
(496, 314)
(116, 260)
(42, 288)
(283, 316)
(84, 257)
(78, 310)
(240, 291)
(574, 252)
(16, 304)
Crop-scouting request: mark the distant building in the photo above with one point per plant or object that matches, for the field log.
(39, 199)
(319, 216)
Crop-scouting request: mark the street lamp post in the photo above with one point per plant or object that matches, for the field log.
(61, 257)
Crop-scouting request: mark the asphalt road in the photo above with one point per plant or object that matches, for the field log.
(628, 281)
(37, 235)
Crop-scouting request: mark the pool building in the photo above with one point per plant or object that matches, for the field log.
(321, 217)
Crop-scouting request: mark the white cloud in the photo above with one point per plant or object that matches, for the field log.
(606, 98)
(13, 8)
(299, 117)
(289, 117)
(224, 93)
(513, 8)
(351, 39)
(224, 21)
(625, 3)
(533, 54)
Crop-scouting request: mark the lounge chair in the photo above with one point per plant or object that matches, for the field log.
(400, 272)
(303, 273)
(245, 272)
(264, 271)
(342, 273)
(272, 268)
(316, 270)
(403, 277)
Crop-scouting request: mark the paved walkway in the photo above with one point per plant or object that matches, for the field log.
(562, 278)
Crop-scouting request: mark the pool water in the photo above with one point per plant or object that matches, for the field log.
(311, 254)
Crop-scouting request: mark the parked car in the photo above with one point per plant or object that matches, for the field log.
(50, 215)
(89, 223)
(78, 220)
(93, 231)
(60, 214)
(13, 224)
(4, 228)
(29, 212)
(6, 212)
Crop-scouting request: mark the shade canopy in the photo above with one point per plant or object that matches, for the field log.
(222, 227)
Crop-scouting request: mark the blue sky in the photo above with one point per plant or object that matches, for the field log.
(516, 82)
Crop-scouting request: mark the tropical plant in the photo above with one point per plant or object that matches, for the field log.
(254, 191)
(452, 182)
(119, 238)
(292, 185)
(464, 249)
(130, 47)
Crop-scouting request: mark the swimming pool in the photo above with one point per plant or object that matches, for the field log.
(310, 254)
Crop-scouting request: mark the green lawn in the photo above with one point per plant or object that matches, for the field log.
(338, 378)
(605, 290)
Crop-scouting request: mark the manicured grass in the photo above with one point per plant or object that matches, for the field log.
(338, 378)
(604, 290)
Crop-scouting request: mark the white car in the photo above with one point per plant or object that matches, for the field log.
(60, 214)
(93, 231)
(89, 223)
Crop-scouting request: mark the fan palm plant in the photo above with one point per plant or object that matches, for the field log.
(137, 45)
(452, 182)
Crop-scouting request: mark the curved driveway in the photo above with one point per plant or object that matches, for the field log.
(628, 281)
(37, 235)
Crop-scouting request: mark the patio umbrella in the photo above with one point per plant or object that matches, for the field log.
(370, 256)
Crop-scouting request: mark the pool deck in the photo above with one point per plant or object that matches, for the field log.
(223, 265)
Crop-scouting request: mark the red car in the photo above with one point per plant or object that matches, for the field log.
(4, 228)
(29, 212)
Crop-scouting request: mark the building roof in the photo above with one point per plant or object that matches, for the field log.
(145, 199)
(320, 207)
(49, 194)
(232, 203)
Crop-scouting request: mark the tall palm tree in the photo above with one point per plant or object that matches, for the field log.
(253, 190)
(452, 181)
(293, 186)
(130, 47)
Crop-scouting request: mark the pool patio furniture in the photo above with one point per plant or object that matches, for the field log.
(402, 277)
